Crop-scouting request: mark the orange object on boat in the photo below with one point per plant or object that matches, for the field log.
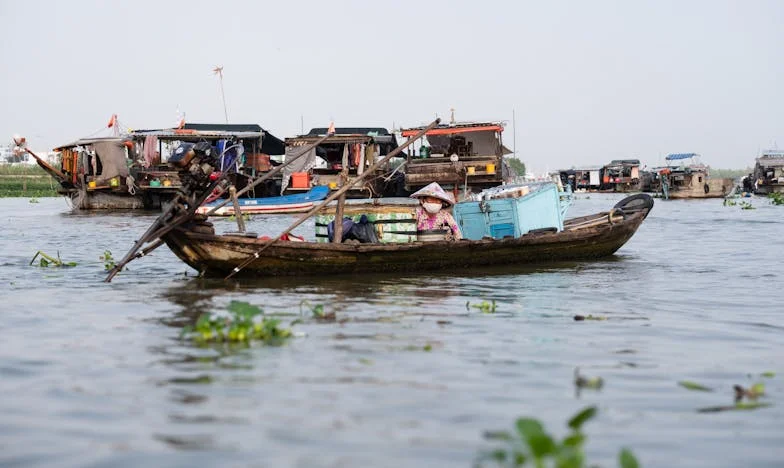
(300, 180)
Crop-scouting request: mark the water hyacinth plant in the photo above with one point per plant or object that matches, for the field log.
(531, 445)
(240, 323)
(108, 260)
(49, 261)
(776, 198)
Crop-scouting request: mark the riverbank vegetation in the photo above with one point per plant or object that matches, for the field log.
(729, 173)
(21, 180)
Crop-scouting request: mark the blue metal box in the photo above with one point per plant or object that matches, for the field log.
(502, 217)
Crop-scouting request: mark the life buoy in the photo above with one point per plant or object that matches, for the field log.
(706, 187)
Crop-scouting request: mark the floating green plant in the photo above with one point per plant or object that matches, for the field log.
(33, 200)
(776, 198)
(240, 323)
(245, 217)
(531, 445)
(317, 311)
(768, 374)
(744, 205)
(752, 393)
(49, 261)
(581, 381)
(730, 202)
(484, 306)
(689, 385)
(108, 260)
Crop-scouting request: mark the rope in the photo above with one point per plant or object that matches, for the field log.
(131, 183)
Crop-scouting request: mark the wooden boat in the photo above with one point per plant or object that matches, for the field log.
(296, 203)
(690, 180)
(768, 175)
(584, 238)
(126, 171)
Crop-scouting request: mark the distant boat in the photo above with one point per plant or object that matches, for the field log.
(690, 179)
(768, 176)
(296, 203)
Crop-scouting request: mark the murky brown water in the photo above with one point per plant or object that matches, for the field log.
(94, 373)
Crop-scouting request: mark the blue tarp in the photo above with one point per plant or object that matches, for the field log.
(671, 157)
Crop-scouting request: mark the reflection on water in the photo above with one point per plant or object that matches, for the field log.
(408, 373)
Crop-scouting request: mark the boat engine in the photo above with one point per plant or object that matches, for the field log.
(196, 163)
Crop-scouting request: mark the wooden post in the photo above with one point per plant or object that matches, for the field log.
(338, 231)
(237, 211)
(337, 236)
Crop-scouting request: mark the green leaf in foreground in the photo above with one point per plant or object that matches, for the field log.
(626, 459)
(531, 445)
(689, 385)
(580, 418)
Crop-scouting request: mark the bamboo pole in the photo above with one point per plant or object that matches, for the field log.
(334, 196)
(237, 212)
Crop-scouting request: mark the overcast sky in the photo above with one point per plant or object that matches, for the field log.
(589, 81)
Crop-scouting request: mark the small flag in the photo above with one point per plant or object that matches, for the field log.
(218, 70)
(112, 121)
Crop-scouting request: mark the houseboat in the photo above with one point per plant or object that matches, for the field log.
(130, 171)
(587, 179)
(686, 177)
(768, 175)
(621, 175)
(458, 155)
(339, 159)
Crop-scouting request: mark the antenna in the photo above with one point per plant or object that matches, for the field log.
(514, 135)
(219, 71)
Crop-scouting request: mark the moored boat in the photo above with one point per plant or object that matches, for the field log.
(296, 203)
(690, 179)
(768, 175)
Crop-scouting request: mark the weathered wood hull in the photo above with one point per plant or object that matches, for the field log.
(766, 189)
(110, 200)
(716, 188)
(582, 239)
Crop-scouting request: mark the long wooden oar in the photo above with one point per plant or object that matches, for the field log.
(271, 173)
(48, 167)
(334, 196)
(161, 225)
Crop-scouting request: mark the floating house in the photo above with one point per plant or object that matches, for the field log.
(686, 177)
(768, 175)
(339, 159)
(458, 155)
(621, 175)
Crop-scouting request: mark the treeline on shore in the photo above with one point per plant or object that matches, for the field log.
(21, 180)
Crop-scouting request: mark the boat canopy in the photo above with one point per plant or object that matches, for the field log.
(674, 156)
(270, 144)
(88, 141)
(451, 129)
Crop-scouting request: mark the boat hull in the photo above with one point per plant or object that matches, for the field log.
(769, 188)
(299, 203)
(582, 239)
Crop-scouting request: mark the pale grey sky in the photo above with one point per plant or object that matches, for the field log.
(589, 81)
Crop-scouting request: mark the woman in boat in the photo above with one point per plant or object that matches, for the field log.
(431, 214)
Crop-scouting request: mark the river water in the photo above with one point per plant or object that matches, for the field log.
(94, 374)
